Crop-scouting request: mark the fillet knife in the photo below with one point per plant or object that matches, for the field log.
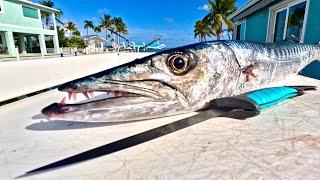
(239, 107)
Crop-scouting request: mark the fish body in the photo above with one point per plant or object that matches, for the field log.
(182, 80)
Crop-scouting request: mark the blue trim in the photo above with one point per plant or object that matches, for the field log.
(268, 97)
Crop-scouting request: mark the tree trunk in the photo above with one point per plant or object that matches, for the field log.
(106, 34)
(218, 37)
(118, 39)
(87, 36)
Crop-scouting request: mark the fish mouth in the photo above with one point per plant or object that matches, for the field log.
(106, 94)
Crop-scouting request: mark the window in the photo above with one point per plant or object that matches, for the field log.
(289, 21)
(30, 12)
(280, 25)
(240, 31)
(1, 6)
(295, 20)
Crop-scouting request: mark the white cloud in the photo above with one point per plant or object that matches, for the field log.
(205, 7)
(103, 11)
(169, 20)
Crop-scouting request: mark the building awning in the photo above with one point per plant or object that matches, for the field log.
(36, 5)
(249, 8)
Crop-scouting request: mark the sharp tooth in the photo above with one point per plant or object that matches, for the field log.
(116, 93)
(63, 101)
(74, 96)
(91, 94)
(69, 95)
(86, 95)
(110, 93)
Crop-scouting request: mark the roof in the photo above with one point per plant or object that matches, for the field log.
(92, 37)
(249, 8)
(36, 5)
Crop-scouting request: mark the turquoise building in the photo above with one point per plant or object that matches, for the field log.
(27, 28)
(275, 20)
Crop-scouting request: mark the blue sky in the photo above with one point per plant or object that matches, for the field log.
(172, 20)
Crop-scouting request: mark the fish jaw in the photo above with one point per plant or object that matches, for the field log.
(127, 101)
(133, 95)
(119, 109)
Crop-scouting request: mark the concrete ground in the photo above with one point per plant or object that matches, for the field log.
(283, 142)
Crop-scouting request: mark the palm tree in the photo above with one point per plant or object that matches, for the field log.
(97, 29)
(47, 15)
(119, 26)
(76, 33)
(202, 30)
(88, 25)
(218, 16)
(71, 27)
(105, 23)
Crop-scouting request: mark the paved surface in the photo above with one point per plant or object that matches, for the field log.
(283, 142)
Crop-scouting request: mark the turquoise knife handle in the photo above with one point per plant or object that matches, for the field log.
(268, 97)
(261, 99)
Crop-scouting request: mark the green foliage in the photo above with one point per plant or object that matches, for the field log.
(47, 3)
(76, 33)
(119, 26)
(113, 25)
(202, 30)
(218, 17)
(105, 23)
(70, 26)
(76, 42)
(63, 41)
(219, 12)
(97, 29)
(88, 24)
(73, 42)
(50, 4)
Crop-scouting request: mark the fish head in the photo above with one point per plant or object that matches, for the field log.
(171, 82)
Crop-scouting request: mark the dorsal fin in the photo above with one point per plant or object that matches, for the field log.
(293, 39)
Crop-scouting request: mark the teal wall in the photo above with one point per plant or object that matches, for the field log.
(256, 26)
(12, 14)
(312, 34)
(13, 20)
(243, 31)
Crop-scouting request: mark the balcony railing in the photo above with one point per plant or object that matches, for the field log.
(49, 26)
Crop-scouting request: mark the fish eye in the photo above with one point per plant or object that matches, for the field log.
(178, 63)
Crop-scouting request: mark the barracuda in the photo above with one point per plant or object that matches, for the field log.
(182, 80)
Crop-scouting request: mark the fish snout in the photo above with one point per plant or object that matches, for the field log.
(68, 87)
(56, 109)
